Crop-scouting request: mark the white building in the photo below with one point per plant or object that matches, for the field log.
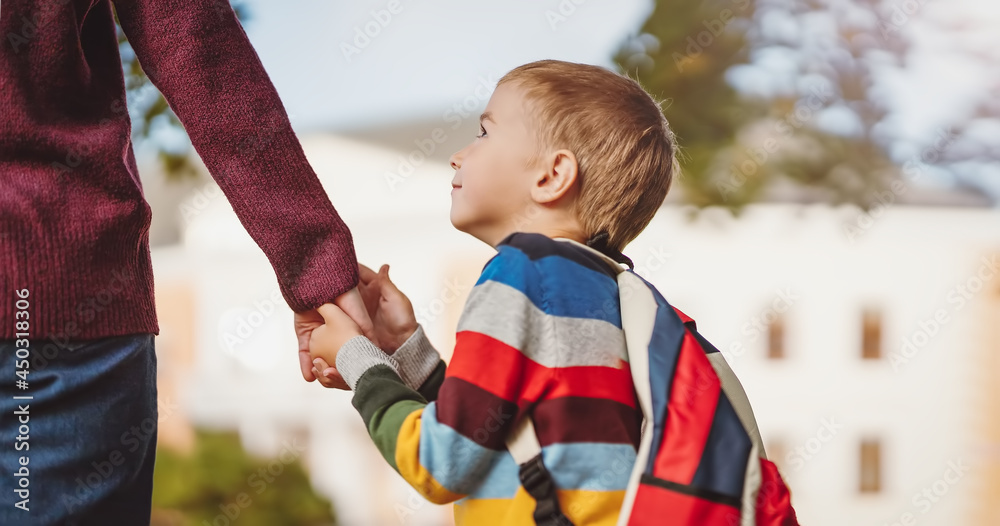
(791, 294)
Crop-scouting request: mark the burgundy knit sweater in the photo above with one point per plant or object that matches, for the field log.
(74, 222)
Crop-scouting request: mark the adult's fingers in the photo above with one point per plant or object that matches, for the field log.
(366, 274)
(350, 305)
(305, 362)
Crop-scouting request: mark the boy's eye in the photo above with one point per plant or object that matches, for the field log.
(482, 133)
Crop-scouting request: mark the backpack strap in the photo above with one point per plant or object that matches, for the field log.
(537, 481)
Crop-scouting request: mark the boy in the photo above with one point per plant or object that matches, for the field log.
(566, 151)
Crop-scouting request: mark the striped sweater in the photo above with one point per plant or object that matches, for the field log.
(540, 335)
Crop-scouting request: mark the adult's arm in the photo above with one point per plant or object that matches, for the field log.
(199, 57)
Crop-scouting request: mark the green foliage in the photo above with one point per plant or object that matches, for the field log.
(736, 147)
(219, 477)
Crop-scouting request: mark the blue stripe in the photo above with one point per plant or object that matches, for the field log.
(590, 465)
(724, 461)
(584, 465)
(664, 349)
(570, 289)
(456, 462)
(538, 246)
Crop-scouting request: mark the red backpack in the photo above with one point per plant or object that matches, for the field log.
(700, 460)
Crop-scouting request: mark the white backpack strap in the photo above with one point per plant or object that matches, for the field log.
(638, 319)
(523, 442)
(535, 479)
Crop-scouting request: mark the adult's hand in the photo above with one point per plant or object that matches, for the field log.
(351, 303)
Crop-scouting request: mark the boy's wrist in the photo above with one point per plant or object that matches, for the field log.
(416, 358)
(357, 356)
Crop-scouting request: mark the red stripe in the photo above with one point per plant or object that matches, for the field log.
(690, 412)
(656, 505)
(506, 372)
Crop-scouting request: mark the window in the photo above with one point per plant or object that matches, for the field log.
(776, 338)
(871, 466)
(871, 334)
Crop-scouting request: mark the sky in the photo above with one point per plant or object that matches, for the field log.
(423, 58)
(359, 64)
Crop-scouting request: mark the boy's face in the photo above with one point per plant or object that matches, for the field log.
(492, 182)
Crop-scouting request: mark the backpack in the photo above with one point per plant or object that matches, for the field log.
(700, 460)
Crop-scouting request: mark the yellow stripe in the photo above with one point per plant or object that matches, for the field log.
(408, 462)
(599, 508)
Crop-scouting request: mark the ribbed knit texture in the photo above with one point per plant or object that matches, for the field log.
(357, 356)
(417, 359)
(74, 223)
(540, 334)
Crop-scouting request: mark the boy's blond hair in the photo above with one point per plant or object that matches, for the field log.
(624, 148)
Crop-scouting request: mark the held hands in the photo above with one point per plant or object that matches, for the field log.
(390, 311)
(305, 322)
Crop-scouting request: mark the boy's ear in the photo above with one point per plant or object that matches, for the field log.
(556, 177)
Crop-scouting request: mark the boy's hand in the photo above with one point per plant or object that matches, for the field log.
(390, 310)
(305, 322)
(326, 340)
(337, 328)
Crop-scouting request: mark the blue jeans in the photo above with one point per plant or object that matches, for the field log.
(80, 452)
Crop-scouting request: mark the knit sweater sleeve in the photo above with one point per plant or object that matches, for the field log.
(199, 57)
(446, 448)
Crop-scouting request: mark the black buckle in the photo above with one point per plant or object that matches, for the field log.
(537, 481)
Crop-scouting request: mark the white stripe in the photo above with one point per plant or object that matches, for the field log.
(506, 314)
(638, 318)
(751, 485)
(523, 442)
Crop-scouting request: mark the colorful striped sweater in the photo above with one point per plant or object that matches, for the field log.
(540, 334)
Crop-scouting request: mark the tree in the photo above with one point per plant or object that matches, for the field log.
(219, 479)
(773, 93)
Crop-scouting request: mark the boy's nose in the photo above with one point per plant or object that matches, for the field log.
(456, 160)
